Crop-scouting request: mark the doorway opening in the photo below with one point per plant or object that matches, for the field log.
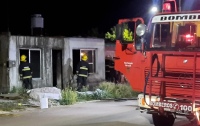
(57, 68)
(76, 59)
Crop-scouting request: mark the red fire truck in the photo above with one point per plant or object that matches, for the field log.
(163, 63)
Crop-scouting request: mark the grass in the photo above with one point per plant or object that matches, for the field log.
(105, 90)
(69, 96)
(18, 103)
(9, 106)
(117, 90)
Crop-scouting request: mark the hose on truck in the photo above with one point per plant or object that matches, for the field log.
(154, 57)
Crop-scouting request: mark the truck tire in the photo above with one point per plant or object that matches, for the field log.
(161, 120)
(193, 120)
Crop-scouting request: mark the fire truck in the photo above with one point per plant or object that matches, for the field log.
(163, 63)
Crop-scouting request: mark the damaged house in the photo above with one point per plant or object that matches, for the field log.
(54, 59)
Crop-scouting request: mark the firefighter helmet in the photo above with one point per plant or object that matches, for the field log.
(84, 57)
(108, 57)
(23, 58)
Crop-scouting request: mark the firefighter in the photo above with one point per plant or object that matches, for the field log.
(112, 71)
(118, 77)
(107, 68)
(82, 72)
(25, 71)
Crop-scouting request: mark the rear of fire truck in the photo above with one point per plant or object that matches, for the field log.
(162, 62)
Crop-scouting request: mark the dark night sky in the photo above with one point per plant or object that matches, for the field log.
(73, 18)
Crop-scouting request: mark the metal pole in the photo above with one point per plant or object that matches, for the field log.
(179, 5)
(162, 5)
(8, 20)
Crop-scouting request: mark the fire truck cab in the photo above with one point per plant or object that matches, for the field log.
(162, 63)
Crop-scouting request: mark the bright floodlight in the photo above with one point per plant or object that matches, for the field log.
(154, 9)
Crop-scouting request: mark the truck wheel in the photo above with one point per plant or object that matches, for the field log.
(161, 120)
(193, 120)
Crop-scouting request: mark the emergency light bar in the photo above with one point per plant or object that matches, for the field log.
(169, 6)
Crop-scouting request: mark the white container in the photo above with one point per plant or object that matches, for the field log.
(43, 103)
